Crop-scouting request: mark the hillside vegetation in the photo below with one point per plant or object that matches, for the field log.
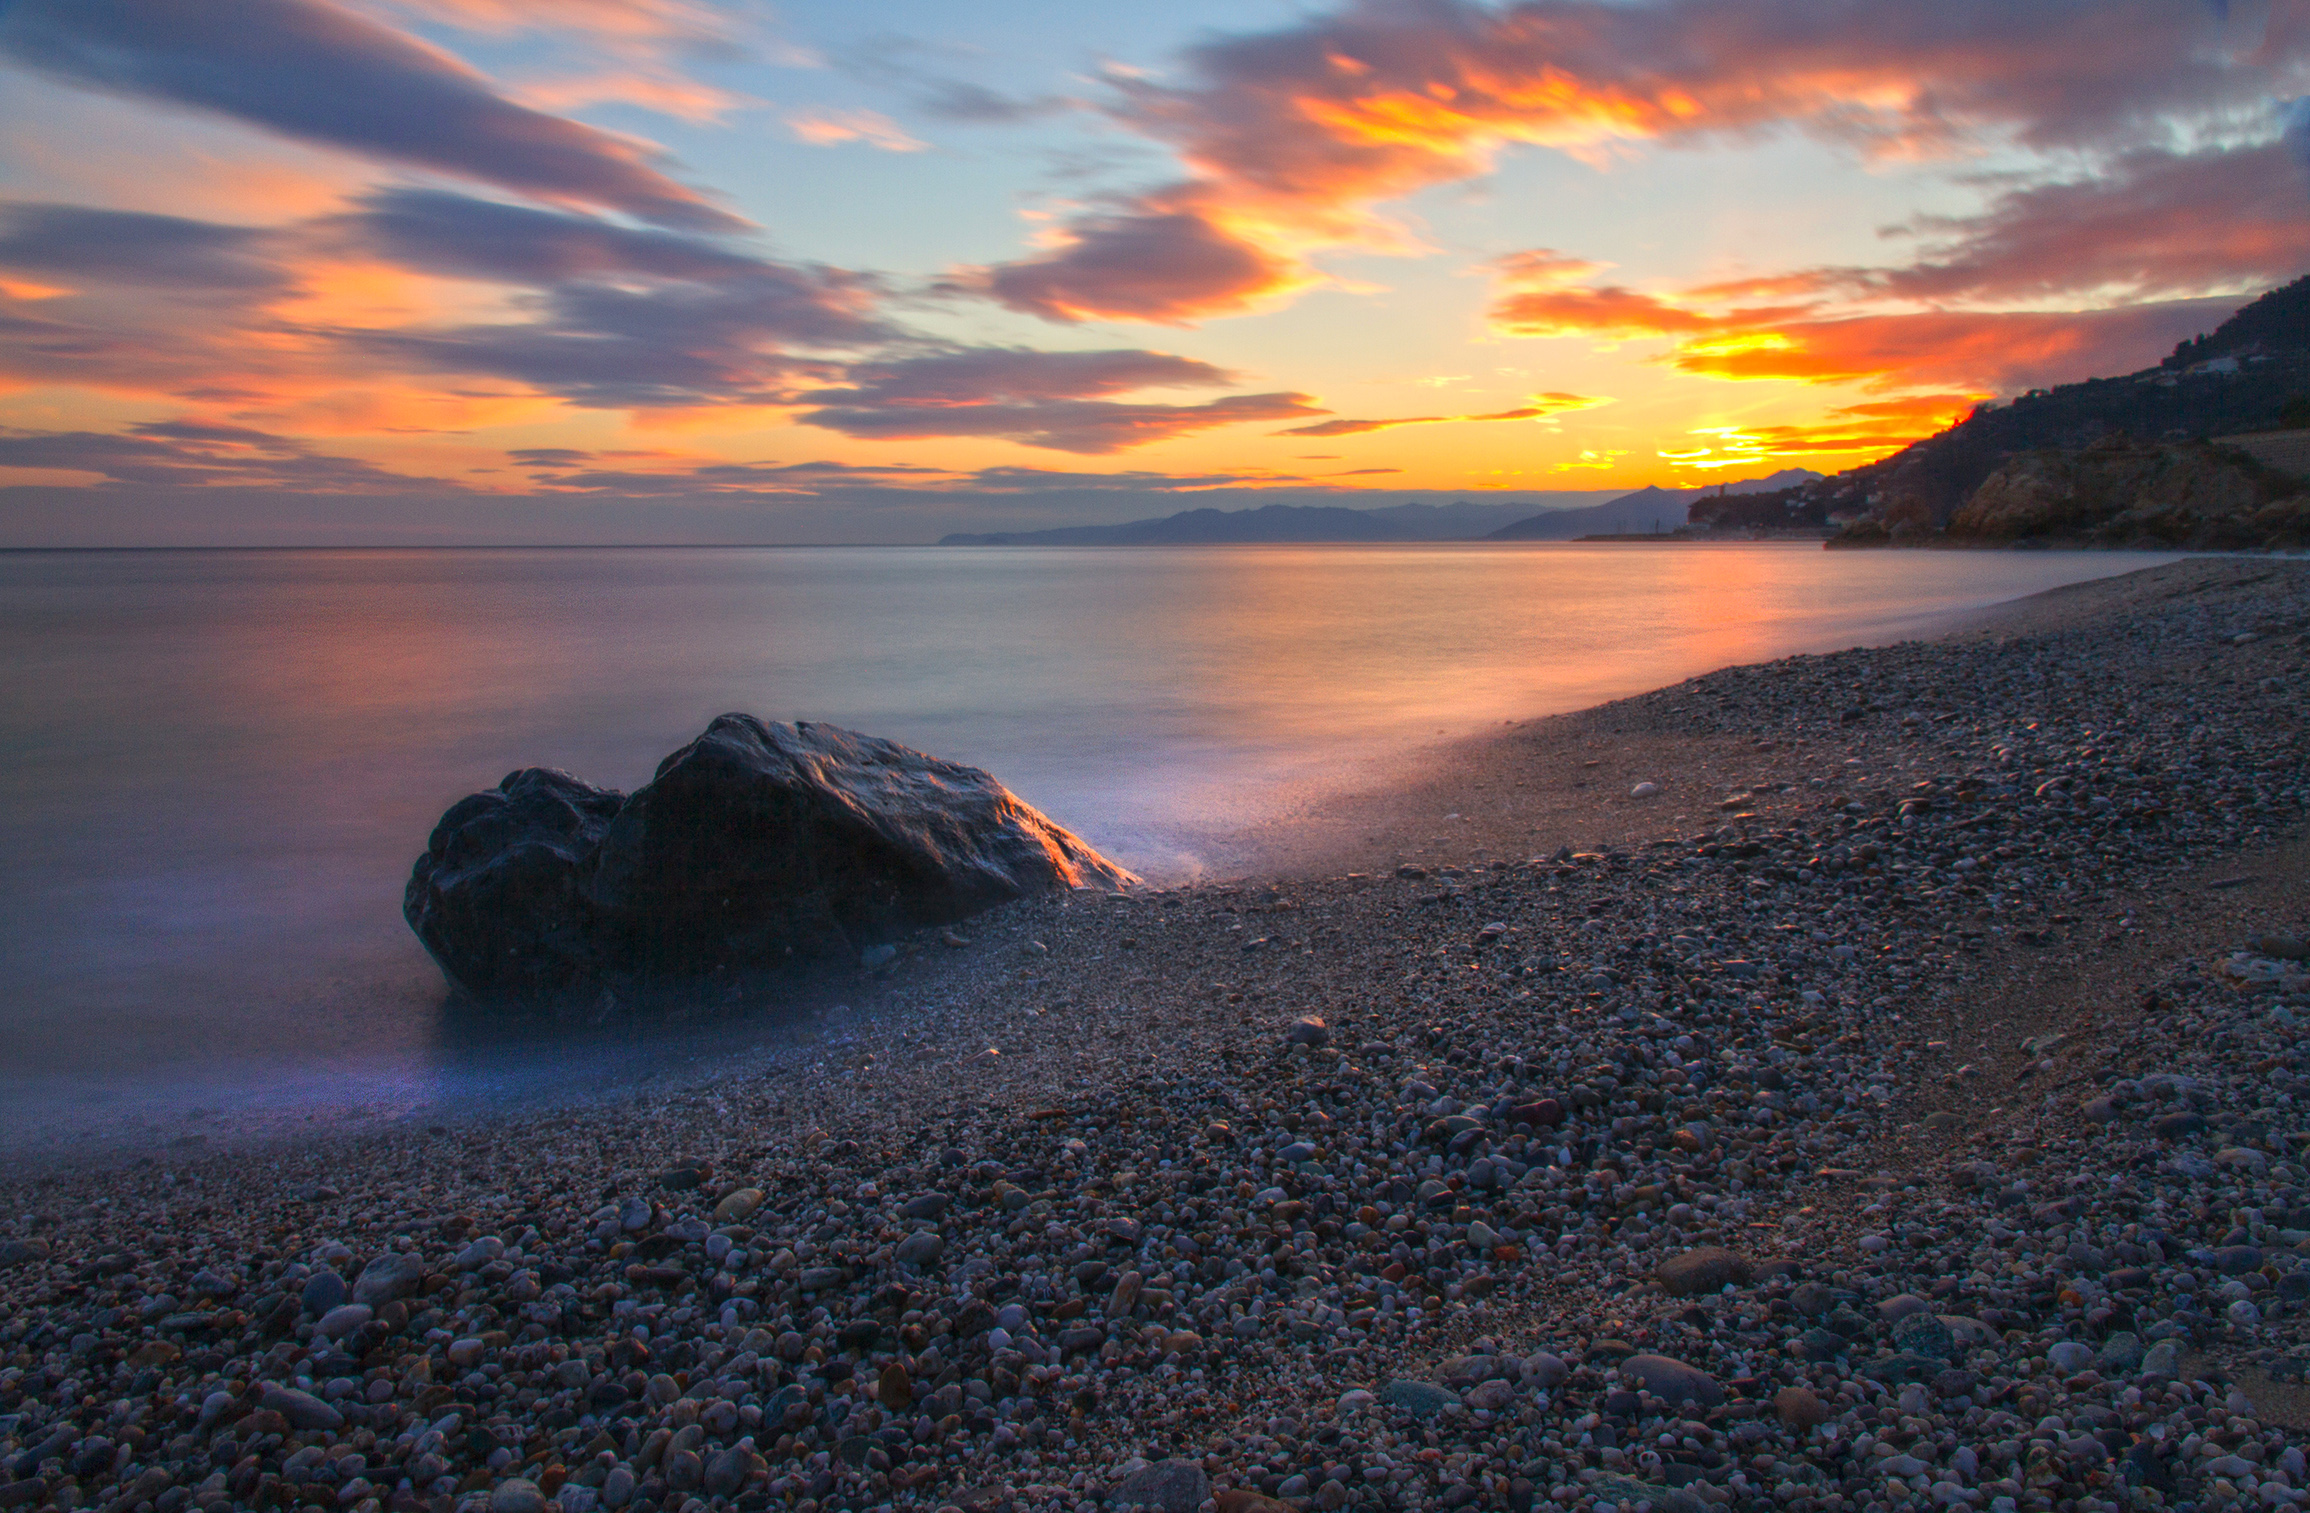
(2252, 373)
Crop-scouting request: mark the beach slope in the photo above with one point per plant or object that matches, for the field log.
(1857, 1078)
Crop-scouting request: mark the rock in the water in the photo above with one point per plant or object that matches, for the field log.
(754, 844)
(1175, 1486)
(498, 897)
(1704, 1270)
(1799, 1408)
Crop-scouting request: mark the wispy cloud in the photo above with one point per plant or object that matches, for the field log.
(927, 74)
(1164, 261)
(180, 454)
(828, 127)
(567, 471)
(1981, 351)
(599, 316)
(692, 26)
(1043, 399)
(2150, 222)
(319, 73)
(127, 247)
(1541, 407)
(2099, 248)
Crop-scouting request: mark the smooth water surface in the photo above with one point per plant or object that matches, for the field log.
(221, 764)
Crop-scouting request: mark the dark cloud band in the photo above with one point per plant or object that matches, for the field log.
(310, 70)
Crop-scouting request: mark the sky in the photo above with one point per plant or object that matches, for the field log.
(463, 271)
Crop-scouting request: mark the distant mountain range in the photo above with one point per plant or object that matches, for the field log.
(1650, 509)
(1464, 520)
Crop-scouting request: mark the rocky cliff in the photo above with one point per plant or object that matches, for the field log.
(2119, 492)
(2251, 374)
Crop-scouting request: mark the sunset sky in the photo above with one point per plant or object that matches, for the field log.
(543, 270)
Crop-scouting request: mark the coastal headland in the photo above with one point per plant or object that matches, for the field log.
(1855, 1080)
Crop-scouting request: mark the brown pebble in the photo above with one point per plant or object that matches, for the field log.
(1242, 1500)
(1800, 1409)
(1701, 1271)
(896, 1390)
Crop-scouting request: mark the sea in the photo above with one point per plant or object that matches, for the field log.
(220, 764)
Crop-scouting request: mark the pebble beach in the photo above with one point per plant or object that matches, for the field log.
(1862, 1081)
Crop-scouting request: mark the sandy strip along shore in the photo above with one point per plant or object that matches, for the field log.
(1902, 1104)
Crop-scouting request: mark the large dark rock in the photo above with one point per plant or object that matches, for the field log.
(499, 895)
(754, 846)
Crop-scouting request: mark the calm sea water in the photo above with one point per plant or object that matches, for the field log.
(220, 765)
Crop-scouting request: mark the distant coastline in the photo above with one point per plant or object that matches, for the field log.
(1646, 509)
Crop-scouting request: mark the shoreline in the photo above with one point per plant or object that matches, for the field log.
(1126, 1065)
(404, 1058)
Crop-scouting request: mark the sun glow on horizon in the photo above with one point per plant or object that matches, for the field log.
(1480, 249)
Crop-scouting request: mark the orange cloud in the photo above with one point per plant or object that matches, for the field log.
(1994, 351)
(1602, 459)
(687, 23)
(1542, 406)
(1982, 351)
(1608, 311)
(1848, 433)
(1290, 137)
(660, 89)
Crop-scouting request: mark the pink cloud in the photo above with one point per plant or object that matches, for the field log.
(1162, 261)
(1291, 137)
(827, 127)
(2152, 222)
